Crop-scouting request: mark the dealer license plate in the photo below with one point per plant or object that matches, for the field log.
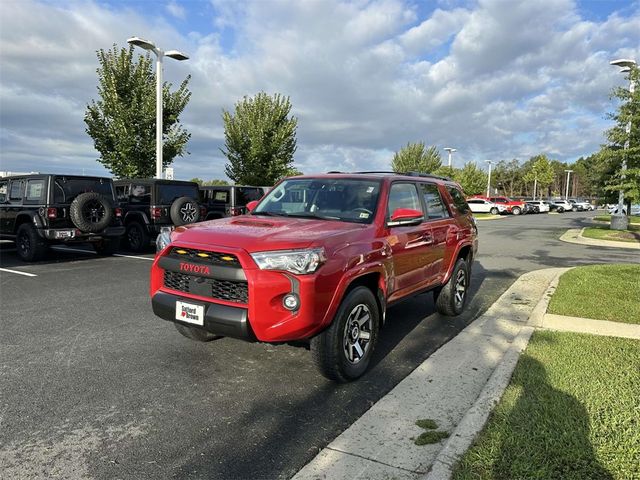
(190, 313)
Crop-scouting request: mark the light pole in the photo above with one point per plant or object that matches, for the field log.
(450, 150)
(566, 195)
(535, 185)
(175, 54)
(619, 221)
(489, 179)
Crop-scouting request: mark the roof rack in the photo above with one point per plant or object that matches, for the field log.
(386, 172)
(427, 175)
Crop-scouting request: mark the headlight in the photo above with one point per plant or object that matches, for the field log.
(163, 239)
(294, 261)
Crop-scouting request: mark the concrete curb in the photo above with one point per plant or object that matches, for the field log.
(476, 417)
(586, 325)
(574, 235)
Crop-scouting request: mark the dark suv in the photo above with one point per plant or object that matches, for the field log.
(37, 210)
(149, 204)
(318, 260)
(228, 200)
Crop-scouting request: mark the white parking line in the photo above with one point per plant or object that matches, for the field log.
(17, 272)
(67, 249)
(132, 256)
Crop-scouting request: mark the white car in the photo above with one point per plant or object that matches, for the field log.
(581, 205)
(480, 205)
(562, 206)
(543, 207)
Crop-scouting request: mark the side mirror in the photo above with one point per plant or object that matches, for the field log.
(402, 217)
(251, 205)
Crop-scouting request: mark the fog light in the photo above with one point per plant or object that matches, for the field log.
(291, 301)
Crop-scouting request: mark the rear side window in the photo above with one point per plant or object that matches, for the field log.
(35, 191)
(403, 195)
(140, 194)
(458, 199)
(169, 193)
(17, 190)
(218, 196)
(245, 195)
(433, 201)
(122, 192)
(65, 189)
(3, 192)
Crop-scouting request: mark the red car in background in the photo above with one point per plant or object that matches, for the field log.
(515, 207)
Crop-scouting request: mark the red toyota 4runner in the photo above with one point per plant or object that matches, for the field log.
(319, 259)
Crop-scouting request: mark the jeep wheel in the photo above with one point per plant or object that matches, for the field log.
(343, 351)
(494, 211)
(516, 210)
(184, 210)
(450, 299)
(137, 238)
(107, 247)
(90, 212)
(29, 245)
(196, 334)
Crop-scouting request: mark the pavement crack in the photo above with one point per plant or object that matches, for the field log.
(376, 461)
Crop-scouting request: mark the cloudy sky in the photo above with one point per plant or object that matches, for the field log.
(496, 79)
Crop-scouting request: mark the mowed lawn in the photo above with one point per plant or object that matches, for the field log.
(570, 412)
(601, 292)
(603, 232)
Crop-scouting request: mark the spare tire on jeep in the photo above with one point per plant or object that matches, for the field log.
(91, 212)
(184, 210)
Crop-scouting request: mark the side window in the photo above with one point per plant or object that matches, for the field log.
(17, 190)
(3, 191)
(403, 195)
(35, 191)
(433, 200)
(458, 199)
(140, 194)
(122, 192)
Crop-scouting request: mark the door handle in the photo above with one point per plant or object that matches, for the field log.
(427, 238)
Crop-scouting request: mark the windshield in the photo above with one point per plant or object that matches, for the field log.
(347, 200)
(67, 188)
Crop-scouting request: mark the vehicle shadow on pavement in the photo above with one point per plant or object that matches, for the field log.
(551, 441)
(9, 257)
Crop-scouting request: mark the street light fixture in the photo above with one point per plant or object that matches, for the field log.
(619, 220)
(566, 195)
(450, 150)
(489, 179)
(175, 54)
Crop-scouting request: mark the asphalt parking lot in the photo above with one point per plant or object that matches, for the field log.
(93, 385)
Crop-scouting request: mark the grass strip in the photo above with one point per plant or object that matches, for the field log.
(570, 412)
(485, 215)
(607, 218)
(603, 232)
(601, 292)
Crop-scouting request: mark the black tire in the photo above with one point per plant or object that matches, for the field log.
(184, 210)
(91, 212)
(107, 246)
(516, 210)
(29, 245)
(137, 237)
(494, 211)
(197, 334)
(451, 298)
(334, 350)
(560, 209)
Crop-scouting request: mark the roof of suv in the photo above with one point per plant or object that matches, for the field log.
(153, 181)
(409, 176)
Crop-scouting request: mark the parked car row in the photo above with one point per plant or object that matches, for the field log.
(506, 205)
(38, 210)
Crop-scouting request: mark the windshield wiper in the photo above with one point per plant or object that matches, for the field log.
(271, 214)
(312, 215)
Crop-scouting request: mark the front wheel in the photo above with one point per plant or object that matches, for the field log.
(516, 210)
(343, 351)
(494, 211)
(450, 299)
(560, 209)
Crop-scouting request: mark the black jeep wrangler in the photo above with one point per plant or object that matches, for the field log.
(149, 204)
(228, 200)
(37, 210)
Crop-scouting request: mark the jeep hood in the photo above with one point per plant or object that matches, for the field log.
(257, 233)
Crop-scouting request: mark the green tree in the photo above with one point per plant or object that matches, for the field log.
(122, 122)
(507, 177)
(416, 157)
(538, 169)
(472, 180)
(627, 113)
(210, 183)
(260, 139)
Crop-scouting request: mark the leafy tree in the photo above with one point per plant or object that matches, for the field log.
(507, 177)
(614, 152)
(123, 122)
(539, 169)
(210, 183)
(260, 139)
(472, 180)
(416, 157)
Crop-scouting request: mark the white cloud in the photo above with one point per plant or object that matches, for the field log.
(176, 10)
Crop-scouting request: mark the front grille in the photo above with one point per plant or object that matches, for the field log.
(215, 258)
(229, 290)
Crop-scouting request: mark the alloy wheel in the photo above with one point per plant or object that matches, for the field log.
(357, 333)
(460, 288)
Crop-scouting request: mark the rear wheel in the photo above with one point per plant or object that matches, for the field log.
(494, 211)
(196, 334)
(516, 210)
(343, 351)
(560, 209)
(137, 237)
(29, 245)
(451, 298)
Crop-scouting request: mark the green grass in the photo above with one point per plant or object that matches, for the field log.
(602, 232)
(570, 412)
(607, 218)
(602, 292)
(427, 424)
(484, 215)
(432, 436)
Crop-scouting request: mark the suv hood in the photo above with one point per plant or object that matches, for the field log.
(257, 233)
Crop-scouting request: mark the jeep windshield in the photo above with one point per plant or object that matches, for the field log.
(342, 199)
(65, 189)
